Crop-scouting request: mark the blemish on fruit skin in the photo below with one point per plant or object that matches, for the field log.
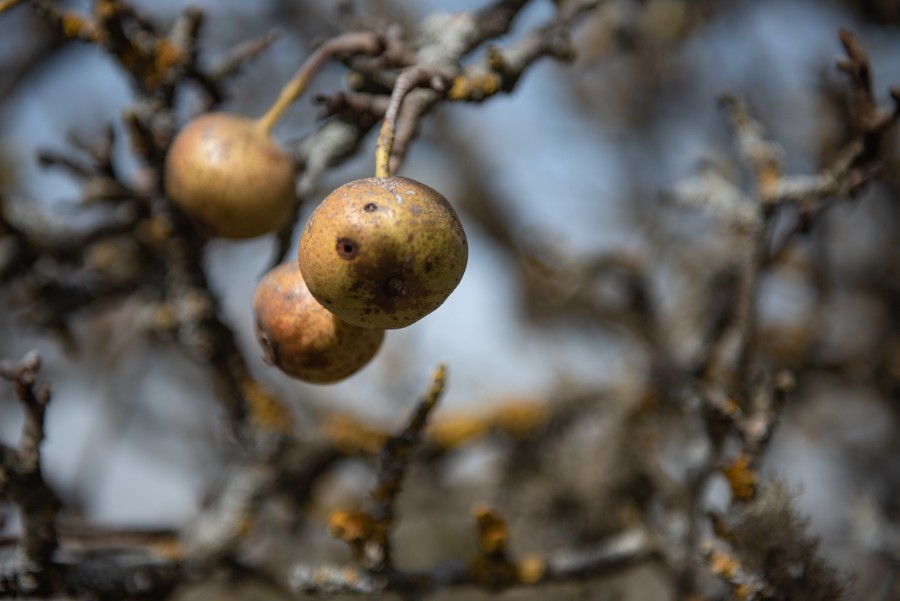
(347, 248)
(396, 286)
(270, 351)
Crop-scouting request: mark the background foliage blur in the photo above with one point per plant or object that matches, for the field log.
(578, 166)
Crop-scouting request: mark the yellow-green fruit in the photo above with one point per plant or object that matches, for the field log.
(301, 337)
(227, 173)
(383, 252)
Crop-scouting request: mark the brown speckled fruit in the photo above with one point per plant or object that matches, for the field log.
(228, 174)
(383, 252)
(301, 337)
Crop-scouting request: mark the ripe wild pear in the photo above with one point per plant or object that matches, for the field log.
(383, 252)
(386, 251)
(302, 338)
(230, 176)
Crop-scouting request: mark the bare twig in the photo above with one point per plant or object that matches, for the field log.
(241, 54)
(348, 44)
(500, 70)
(30, 570)
(409, 78)
(368, 531)
(628, 550)
(870, 120)
(440, 42)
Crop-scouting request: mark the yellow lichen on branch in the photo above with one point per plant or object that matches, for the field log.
(741, 478)
(474, 88)
(352, 527)
(105, 9)
(368, 531)
(532, 569)
(723, 564)
(726, 566)
(517, 418)
(492, 530)
(265, 411)
(151, 58)
(768, 178)
(169, 547)
(76, 26)
(155, 65)
(455, 430)
(166, 57)
(352, 437)
(7, 4)
(492, 567)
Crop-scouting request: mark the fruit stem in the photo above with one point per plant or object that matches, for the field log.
(348, 43)
(406, 81)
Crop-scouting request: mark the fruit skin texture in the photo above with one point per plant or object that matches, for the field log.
(383, 252)
(228, 174)
(301, 337)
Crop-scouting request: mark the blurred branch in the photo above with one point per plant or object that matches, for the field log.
(29, 570)
(441, 42)
(154, 61)
(36, 567)
(501, 69)
(856, 164)
(190, 314)
(738, 396)
(221, 527)
(616, 555)
(492, 569)
(870, 120)
(241, 54)
(760, 530)
(368, 531)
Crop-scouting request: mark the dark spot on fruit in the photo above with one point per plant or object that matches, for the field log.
(270, 350)
(428, 265)
(370, 206)
(347, 248)
(395, 286)
(315, 361)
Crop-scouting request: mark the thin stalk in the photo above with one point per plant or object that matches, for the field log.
(350, 43)
(406, 81)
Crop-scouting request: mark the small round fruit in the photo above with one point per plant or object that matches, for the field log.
(301, 337)
(227, 173)
(383, 252)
